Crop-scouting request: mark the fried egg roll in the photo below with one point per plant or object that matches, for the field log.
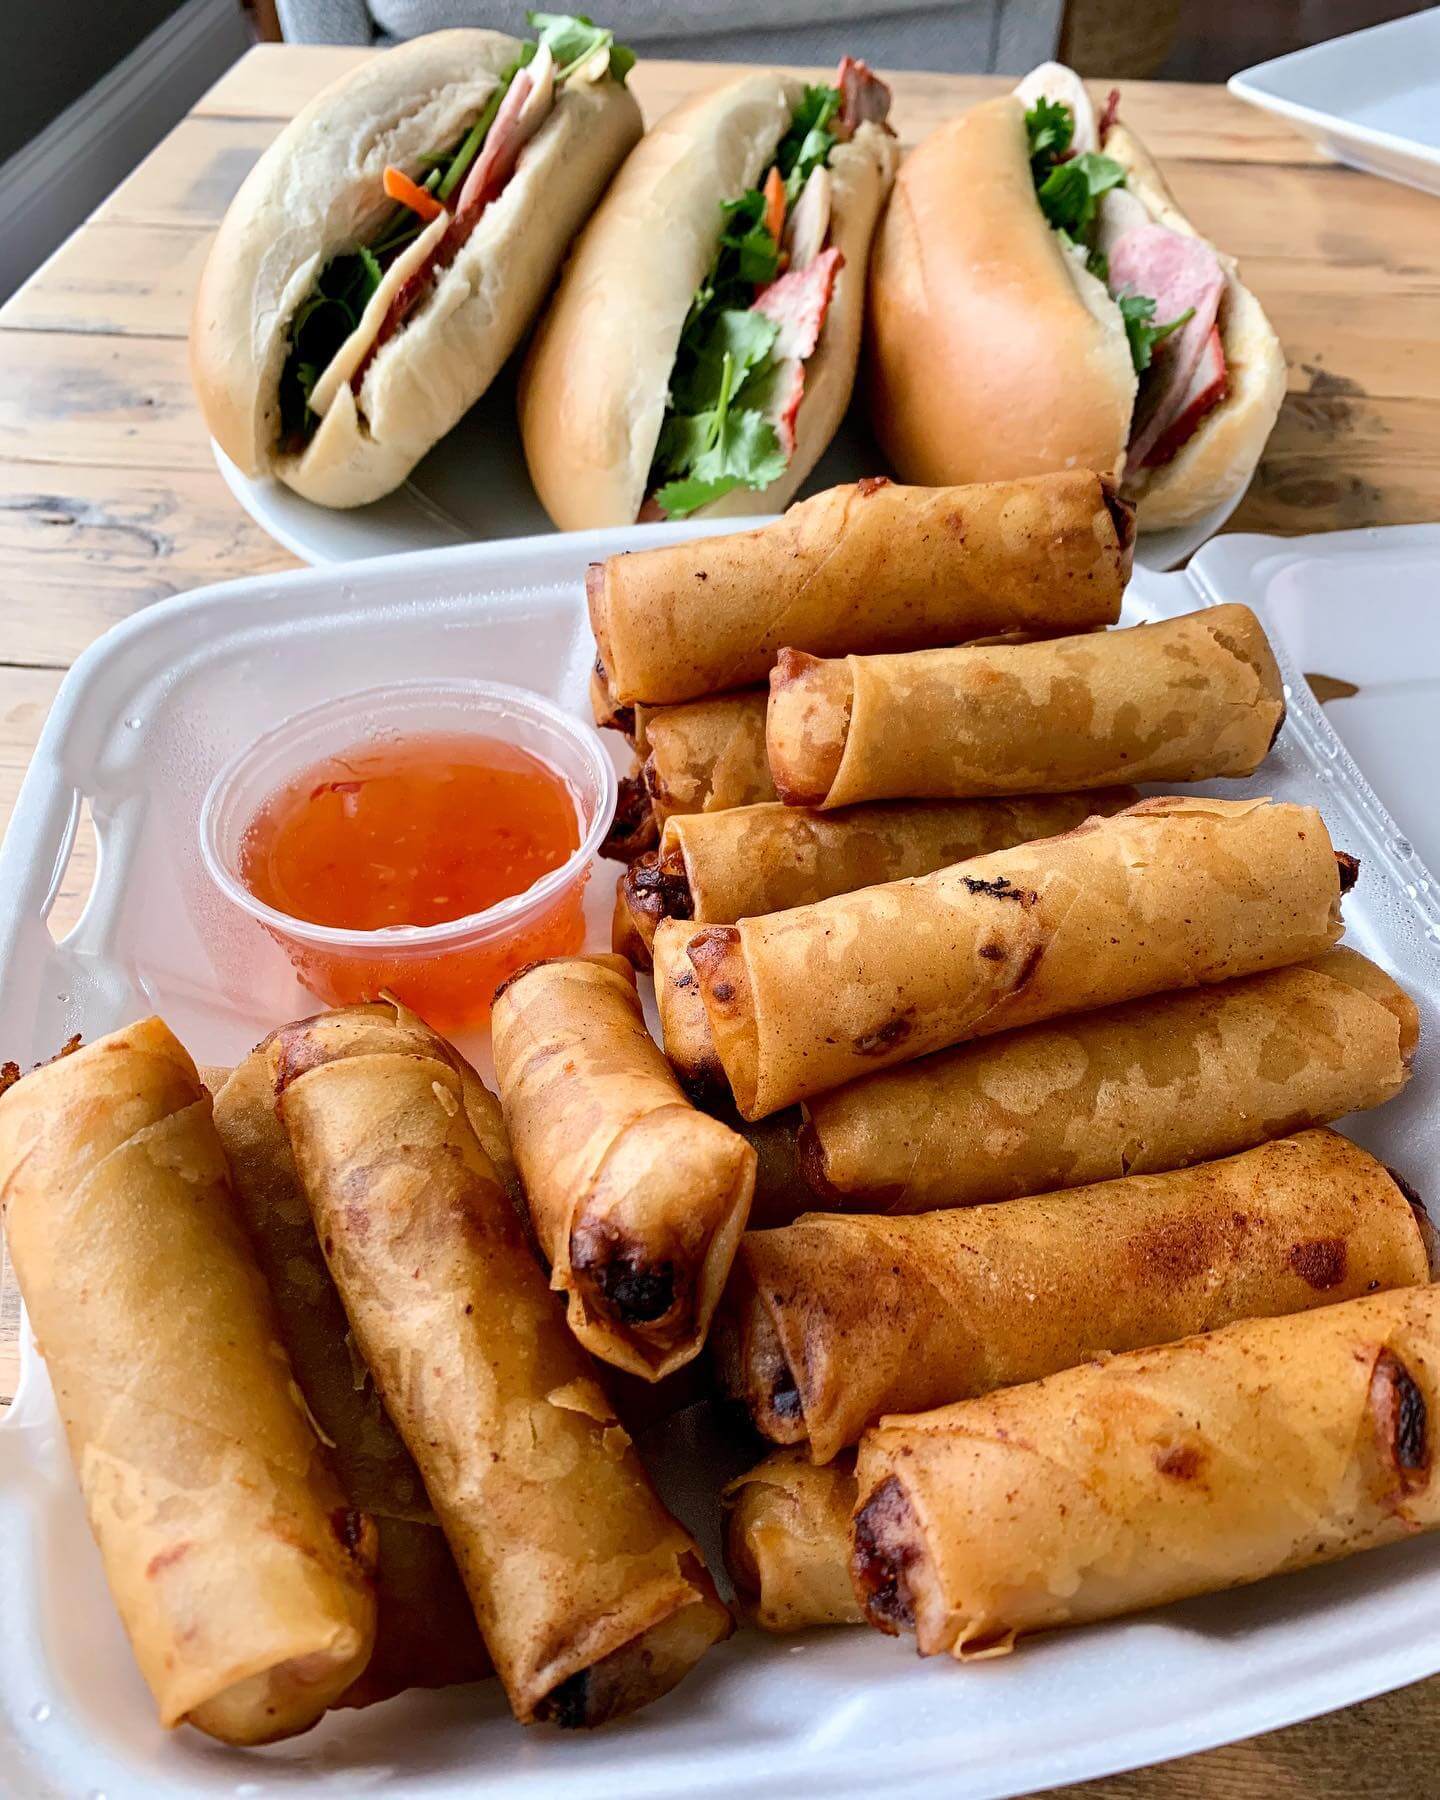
(240, 1571)
(717, 867)
(684, 1028)
(425, 1634)
(1271, 1445)
(592, 1600)
(1154, 1084)
(1172, 893)
(787, 1542)
(836, 1319)
(638, 1200)
(869, 566)
(1187, 699)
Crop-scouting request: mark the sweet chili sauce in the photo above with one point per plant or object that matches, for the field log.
(419, 831)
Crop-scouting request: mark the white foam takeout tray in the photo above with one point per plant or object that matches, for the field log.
(140, 725)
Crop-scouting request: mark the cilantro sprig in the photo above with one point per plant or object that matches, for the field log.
(1138, 312)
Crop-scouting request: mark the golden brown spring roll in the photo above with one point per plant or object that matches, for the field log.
(638, 1200)
(1269, 1446)
(718, 867)
(1154, 1084)
(836, 1319)
(591, 1599)
(787, 1542)
(1187, 699)
(1172, 893)
(870, 566)
(425, 1635)
(241, 1573)
(684, 1028)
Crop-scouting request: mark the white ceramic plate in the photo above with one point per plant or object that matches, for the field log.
(473, 488)
(139, 727)
(1371, 99)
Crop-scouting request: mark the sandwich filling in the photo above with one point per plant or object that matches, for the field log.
(756, 319)
(1167, 284)
(364, 296)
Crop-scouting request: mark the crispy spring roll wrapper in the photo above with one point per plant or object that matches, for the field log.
(1186, 699)
(787, 1542)
(425, 1635)
(837, 1319)
(638, 1200)
(591, 1599)
(701, 757)
(869, 566)
(708, 755)
(684, 1026)
(718, 867)
(1172, 893)
(1150, 1085)
(1269, 1446)
(240, 1570)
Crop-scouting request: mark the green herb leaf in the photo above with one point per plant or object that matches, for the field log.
(573, 39)
(1049, 127)
(808, 142)
(1069, 193)
(1138, 312)
(678, 499)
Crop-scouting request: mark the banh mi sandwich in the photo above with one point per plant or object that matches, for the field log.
(384, 256)
(702, 345)
(1038, 301)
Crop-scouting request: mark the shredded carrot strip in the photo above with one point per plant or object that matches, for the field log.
(399, 186)
(774, 192)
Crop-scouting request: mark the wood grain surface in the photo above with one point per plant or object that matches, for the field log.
(109, 499)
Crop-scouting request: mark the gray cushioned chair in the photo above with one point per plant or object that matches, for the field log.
(963, 36)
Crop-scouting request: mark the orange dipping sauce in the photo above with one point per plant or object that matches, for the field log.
(419, 831)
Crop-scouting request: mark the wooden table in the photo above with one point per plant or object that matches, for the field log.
(109, 498)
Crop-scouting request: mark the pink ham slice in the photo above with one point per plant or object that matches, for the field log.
(798, 302)
(863, 95)
(1177, 272)
(511, 129)
(1207, 388)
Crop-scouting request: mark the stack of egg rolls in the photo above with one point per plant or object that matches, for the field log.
(686, 633)
(591, 1599)
(638, 1200)
(1171, 893)
(241, 1572)
(1187, 699)
(837, 1319)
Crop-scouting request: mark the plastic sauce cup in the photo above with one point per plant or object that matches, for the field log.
(447, 973)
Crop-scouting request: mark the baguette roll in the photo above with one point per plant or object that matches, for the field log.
(317, 193)
(594, 388)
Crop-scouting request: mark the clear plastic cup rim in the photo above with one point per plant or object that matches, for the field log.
(385, 704)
